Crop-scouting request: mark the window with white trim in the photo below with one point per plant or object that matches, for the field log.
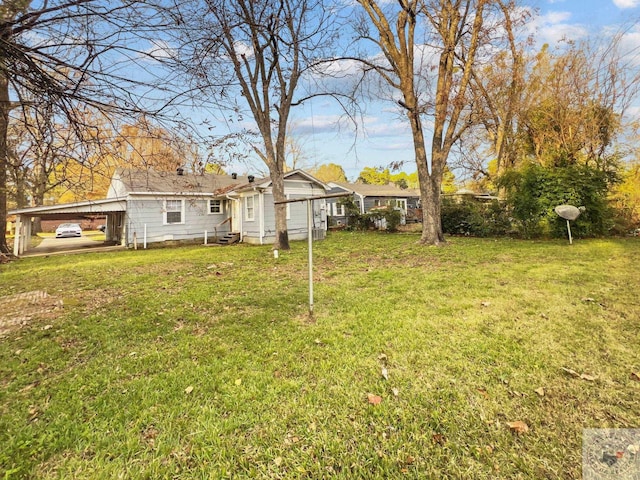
(215, 206)
(338, 210)
(173, 211)
(249, 205)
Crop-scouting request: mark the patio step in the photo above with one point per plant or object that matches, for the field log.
(229, 238)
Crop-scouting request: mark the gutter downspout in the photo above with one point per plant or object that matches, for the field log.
(361, 203)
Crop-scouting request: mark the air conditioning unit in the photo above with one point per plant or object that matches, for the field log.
(319, 233)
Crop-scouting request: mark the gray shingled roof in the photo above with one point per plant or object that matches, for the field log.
(144, 181)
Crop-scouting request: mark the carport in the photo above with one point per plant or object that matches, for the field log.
(113, 208)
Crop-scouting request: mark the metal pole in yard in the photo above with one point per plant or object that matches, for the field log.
(310, 235)
(309, 201)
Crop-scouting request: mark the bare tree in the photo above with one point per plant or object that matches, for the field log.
(70, 56)
(452, 33)
(250, 56)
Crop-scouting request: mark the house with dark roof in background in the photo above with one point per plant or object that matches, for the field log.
(369, 197)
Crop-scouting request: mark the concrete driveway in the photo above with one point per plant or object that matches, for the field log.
(54, 246)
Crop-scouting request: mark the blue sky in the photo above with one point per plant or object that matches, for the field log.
(383, 136)
(386, 138)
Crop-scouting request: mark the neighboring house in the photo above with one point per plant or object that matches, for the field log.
(177, 206)
(369, 197)
(147, 206)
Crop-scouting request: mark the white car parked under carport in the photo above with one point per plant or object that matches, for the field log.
(68, 230)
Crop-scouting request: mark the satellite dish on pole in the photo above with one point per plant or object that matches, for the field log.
(569, 212)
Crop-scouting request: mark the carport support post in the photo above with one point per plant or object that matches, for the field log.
(17, 234)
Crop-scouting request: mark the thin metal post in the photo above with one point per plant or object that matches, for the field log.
(310, 235)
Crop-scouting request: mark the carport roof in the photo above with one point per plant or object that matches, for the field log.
(110, 205)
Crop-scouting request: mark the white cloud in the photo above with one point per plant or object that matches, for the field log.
(555, 26)
(622, 4)
(161, 50)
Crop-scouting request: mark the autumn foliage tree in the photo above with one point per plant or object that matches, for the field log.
(430, 50)
(64, 54)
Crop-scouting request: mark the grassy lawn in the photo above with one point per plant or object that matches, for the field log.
(200, 362)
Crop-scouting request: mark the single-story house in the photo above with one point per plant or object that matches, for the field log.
(368, 197)
(165, 206)
(145, 206)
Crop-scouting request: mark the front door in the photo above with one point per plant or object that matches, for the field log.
(235, 216)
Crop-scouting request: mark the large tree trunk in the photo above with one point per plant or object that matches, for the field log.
(4, 156)
(429, 182)
(282, 234)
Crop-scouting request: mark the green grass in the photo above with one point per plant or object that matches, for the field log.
(467, 333)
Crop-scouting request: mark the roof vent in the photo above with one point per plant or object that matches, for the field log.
(180, 171)
(251, 178)
(234, 175)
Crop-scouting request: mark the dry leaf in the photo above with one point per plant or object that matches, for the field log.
(571, 372)
(189, 389)
(588, 299)
(385, 373)
(277, 461)
(635, 376)
(382, 357)
(395, 392)
(483, 392)
(588, 378)
(238, 381)
(540, 391)
(374, 399)
(518, 426)
(485, 304)
(438, 438)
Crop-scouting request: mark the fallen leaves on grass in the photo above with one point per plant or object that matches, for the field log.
(635, 376)
(482, 392)
(438, 439)
(395, 392)
(385, 373)
(518, 427)
(583, 376)
(374, 399)
(540, 391)
(188, 390)
(238, 381)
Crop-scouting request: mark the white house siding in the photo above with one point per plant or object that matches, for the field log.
(297, 221)
(149, 211)
(251, 228)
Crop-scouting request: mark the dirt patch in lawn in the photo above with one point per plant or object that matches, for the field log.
(16, 311)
